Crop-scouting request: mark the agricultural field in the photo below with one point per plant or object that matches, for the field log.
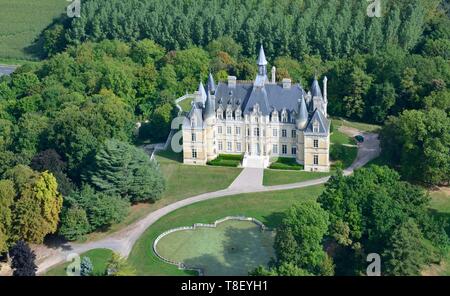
(21, 22)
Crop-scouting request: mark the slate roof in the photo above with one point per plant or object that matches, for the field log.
(270, 97)
(324, 124)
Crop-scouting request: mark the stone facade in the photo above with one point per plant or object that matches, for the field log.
(262, 120)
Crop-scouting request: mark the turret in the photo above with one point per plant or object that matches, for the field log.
(302, 115)
(211, 84)
(262, 62)
(315, 88)
(210, 108)
(201, 94)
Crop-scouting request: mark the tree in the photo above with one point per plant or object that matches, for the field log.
(7, 195)
(406, 252)
(118, 266)
(23, 260)
(124, 170)
(86, 267)
(37, 205)
(160, 122)
(367, 207)
(299, 238)
(101, 209)
(419, 141)
(74, 223)
(50, 160)
(146, 52)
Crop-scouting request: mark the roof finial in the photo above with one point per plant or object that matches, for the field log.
(262, 61)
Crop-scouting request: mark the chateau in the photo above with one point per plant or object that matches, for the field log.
(262, 119)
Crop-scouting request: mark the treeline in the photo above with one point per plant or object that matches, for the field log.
(376, 66)
(329, 28)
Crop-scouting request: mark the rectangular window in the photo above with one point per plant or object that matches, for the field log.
(275, 132)
(316, 143)
(194, 153)
(219, 129)
(248, 132)
(316, 159)
(284, 133)
(238, 147)
(294, 133)
(275, 149)
(220, 146)
(229, 146)
(238, 130)
(284, 149)
(294, 150)
(193, 137)
(256, 131)
(228, 130)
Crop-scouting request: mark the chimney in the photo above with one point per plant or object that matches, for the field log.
(287, 83)
(274, 72)
(232, 81)
(325, 80)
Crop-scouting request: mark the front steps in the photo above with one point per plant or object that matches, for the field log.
(255, 161)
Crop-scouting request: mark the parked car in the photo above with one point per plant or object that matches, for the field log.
(359, 138)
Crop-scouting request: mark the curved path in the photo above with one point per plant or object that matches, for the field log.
(122, 241)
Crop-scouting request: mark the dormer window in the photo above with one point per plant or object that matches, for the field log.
(193, 121)
(238, 114)
(274, 116)
(284, 116)
(315, 127)
(220, 113)
(229, 113)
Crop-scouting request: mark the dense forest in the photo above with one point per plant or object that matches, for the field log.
(67, 120)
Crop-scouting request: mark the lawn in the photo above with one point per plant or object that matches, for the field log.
(440, 206)
(268, 207)
(182, 181)
(275, 177)
(22, 21)
(339, 138)
(186, 104)
(231, 248)
(364, 127)
(99, 259)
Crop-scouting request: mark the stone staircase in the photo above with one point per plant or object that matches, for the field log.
(255, 161)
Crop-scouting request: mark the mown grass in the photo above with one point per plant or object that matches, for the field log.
(339, 138)
(364, 127)
(186, 104)
(22, 21)
(268, 207)
(274, 177)
(99, 259)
